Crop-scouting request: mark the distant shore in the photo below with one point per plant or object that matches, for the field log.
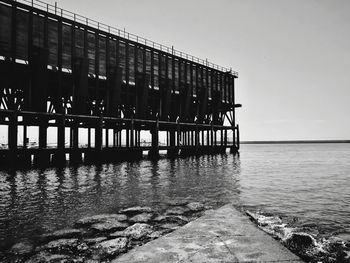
(295, 142)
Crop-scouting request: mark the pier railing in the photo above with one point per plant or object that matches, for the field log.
(121, 33)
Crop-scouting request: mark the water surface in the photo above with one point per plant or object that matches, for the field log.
(304, 184)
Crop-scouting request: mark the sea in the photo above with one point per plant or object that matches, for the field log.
(298, 193)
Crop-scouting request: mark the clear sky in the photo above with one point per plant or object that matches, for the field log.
(293, 56)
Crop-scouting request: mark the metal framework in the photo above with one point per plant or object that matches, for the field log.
(64, 70)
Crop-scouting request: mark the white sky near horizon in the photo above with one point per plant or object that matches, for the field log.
(292, 56)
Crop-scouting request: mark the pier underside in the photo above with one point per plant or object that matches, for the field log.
(65, 74)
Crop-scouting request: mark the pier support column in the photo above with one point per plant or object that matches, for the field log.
(24, 158)
(154, 152)
(59, 158)
(132, 139)
(12, 139)
(75, 156)
(42, 158)
(235, 147)
(173, 151)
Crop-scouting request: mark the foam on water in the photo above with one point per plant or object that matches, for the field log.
(303, 241)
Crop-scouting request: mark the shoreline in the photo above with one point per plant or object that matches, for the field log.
(221, 235)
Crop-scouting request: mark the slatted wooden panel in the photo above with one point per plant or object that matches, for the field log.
(79, 43)
(156, 69)
(194, 80)
(148, 62)
(67, 46)
(122, 59)
(131, 64)
(53, 42)
(5, 30)
(102, 56)
(22, 21)
(91, 45)
(38, 31)
(112, 52)
(140, 60)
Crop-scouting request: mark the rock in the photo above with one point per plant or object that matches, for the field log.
(63, 233)
(118, 234)
(83, 247)
(157, 234)
(91, 241)
(195, 206)
(45, 257)
(110, 225)
(177, 202)
(112, 247)
(61, 245)
(22, 248)
(138, 231)
(141, 218)
(172, 219)
(89, 220)
(299, 241)
(136, 210)
(176, 210)
(170, 226)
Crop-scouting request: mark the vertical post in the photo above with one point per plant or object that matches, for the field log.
(212, 135)
(154, 152)
(98, 135)
(89, 137)
(59, 158)
(25, 136)
(75, 155)
(238, 142)
(12, 137)
(114, 137)
(107, 139)
(132, 139)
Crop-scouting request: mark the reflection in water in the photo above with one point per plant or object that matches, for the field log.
(306, 185)
(37, 201)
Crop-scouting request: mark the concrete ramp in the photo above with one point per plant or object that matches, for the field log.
(222, 235)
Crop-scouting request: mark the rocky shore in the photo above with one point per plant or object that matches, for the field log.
(101, 238)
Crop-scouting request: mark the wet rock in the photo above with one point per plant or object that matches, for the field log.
(112, 247)
(178, 219)
(299, 241)
(118, 234)
(177, 202)
(90, 220)
(110, 225)
(141, 218)
(195, 206)
(63, 244)
(82, 247)
(138, 231)
(170, 226)
(45, 257)
(22, 248)
(136, 210)
(157, 234)
(91, 241)
(63, 233)
(176, 210)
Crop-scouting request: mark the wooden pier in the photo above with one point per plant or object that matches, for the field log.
(63, 71)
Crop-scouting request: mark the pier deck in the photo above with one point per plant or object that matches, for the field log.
(222, 235)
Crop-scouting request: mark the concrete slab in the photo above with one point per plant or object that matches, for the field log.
(222, 235)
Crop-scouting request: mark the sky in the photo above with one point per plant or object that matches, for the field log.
(292, 56)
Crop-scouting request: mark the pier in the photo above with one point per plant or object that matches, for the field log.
(222, 235)
(70, 74)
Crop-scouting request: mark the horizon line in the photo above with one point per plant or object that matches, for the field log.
(293, 141)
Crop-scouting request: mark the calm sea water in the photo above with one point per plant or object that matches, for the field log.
(306, 184)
